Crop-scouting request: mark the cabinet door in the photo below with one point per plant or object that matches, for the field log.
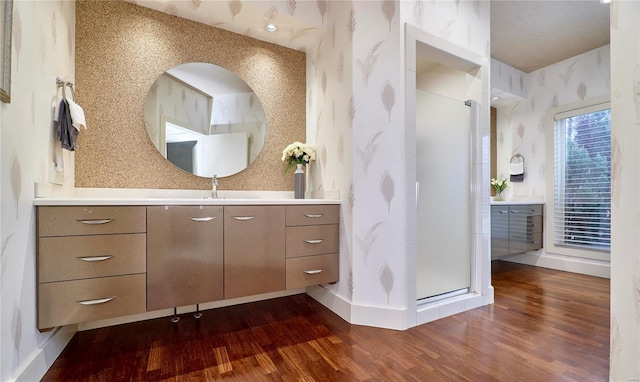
(254, 250)
(499, 231)
(517, 229)
(184, 255)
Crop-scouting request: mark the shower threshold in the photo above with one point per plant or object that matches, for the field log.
(442, 296)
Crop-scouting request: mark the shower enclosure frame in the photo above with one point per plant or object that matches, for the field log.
(418, 42)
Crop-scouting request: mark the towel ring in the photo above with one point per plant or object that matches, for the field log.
(515, 157)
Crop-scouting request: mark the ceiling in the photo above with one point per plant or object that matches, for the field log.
(525, 34)
(529, 35)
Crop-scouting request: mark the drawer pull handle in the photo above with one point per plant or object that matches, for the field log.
(96, 301)
(316, 241)
(515, 211)
(314, 215)
(203, 219)
(243, 218)
(96, 221)
(95, 258)
(313, 272)
(503, 212)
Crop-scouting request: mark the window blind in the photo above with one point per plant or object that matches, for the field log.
(582, 189)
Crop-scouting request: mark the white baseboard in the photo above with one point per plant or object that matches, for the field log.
(450, 306)
(336, 304)
(380, 317)
(563, 263)
(39, 364)
(393, 318)
(376, 316)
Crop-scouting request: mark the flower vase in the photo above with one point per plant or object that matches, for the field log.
(299, 182)
(498, 196)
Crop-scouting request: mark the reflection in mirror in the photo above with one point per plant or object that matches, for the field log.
(205, 119)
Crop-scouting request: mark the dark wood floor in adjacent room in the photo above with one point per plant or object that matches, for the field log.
(545, 325)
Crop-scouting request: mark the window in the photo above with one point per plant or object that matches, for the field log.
(582, 178)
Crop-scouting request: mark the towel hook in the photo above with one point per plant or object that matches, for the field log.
(73, 93)
(60, 83)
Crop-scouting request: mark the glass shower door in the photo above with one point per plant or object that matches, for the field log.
(443, 139)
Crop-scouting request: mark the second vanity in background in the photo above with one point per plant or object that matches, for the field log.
(516, 227)
(96, 262)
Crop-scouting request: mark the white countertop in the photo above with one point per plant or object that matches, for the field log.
(174, 201)
(507, 202)
(47, 196)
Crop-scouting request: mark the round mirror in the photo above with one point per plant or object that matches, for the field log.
(205, 119)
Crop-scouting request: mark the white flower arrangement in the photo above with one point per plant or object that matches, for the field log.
(499, 185)
(298, 153)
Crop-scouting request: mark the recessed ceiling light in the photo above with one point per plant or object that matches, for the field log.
(271, 28)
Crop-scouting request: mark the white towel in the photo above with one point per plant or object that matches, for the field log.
(516, 168)
(77, 115)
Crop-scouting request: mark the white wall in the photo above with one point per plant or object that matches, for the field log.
(177, 102)
(625, 214)
(522, 128)
(355, 115)
(42, 49)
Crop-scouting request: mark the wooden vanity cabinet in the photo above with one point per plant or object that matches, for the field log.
(110, 261)
(312, 238)
(91, 263)
(184, 255)
(254, 250)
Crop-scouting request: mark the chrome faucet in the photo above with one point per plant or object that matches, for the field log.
(214, 187)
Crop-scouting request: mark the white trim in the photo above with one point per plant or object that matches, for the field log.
(563, 263)
(553, 251)
(376, 316)
(449, 307)
(333, 302)
(40, 362)
(379, 316)
(416, 42)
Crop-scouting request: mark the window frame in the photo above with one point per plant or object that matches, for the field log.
(582, 107)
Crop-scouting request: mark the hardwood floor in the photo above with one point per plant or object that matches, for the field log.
(545, 325)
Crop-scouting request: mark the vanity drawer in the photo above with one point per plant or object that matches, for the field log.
(83, 257)
(526, 209)
(534, 242)
(313, 214)
(312, 270)
(312, 240)
(71, 302)
(89, 220)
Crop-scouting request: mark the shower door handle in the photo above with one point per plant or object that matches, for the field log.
(417, 195)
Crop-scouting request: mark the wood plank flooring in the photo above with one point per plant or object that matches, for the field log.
(545, 325)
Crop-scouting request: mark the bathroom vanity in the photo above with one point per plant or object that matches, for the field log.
(100, 259)
(516, 227)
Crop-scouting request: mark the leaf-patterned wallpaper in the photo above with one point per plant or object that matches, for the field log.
(42, 49)
(356, 115)
(47, 35)
(625, 211)
(521, 127)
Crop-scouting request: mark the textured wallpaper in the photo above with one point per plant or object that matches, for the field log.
(121, 48)
(356, 117)
(625, 205)
(42, 49)
(522, 126)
